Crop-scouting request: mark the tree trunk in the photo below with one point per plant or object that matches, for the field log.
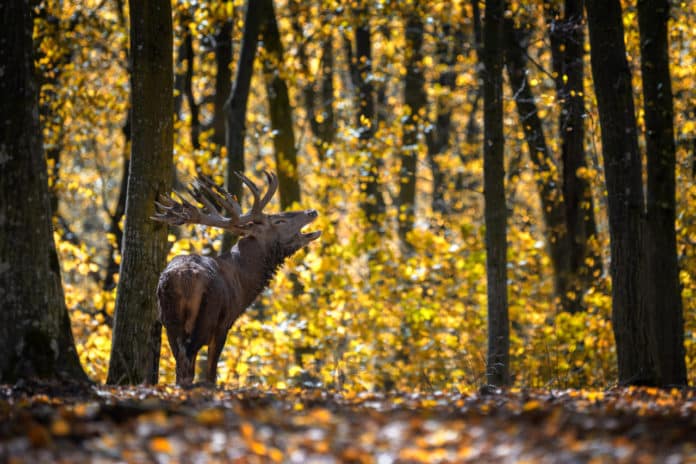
(318, 106)
(236, 105)
(437, 136)
(187, 48)
(136, 340)
(622, 165)
(414, 99)
(664, 303)
(495, 210)
(371, 199)
(35, 335)
(280, 111)
(567, 45)
(546, 174)
(223, 79)
(112, 267)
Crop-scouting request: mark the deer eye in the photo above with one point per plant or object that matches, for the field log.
(279, 221)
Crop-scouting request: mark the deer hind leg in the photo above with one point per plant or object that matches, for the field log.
(185, 365)
(215, 346)
(185, 359)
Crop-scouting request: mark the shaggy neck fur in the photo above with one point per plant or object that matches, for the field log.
(260, 263)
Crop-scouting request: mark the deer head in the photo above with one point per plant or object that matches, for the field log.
(200, 297)
(282, 229)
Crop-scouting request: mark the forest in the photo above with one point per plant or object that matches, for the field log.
(504, 192)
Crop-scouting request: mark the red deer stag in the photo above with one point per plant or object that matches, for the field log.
(200, 297)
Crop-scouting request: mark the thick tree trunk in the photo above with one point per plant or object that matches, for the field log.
(622, 166)
(280, 111)
(495, 210)
(546, 174)
(664, 304)
(136, 340)
(414, 99)
(35, 335)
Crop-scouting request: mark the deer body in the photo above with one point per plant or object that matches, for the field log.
(200, 297)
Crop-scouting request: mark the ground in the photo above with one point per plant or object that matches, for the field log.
(58, 423)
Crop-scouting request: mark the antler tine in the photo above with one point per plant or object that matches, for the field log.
(197, 194)
(255, 210)
(171, 211)
(221, 195)
(272, 179)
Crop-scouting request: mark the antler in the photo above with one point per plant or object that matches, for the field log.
(260, 203)
(211, 195)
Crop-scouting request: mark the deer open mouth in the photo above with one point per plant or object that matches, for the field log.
(309, 236)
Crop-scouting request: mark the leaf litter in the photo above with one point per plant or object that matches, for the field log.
(166, 424)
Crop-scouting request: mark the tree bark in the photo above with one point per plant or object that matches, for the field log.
(495, 211)
(137, 331)
(546, 174)
(415, 100)
(236, 104)
(664, 304)
(223, 79)
(195, 132)
(35, 335)
(622, 166)
(567, 52)
(280, 111)
(183, 83)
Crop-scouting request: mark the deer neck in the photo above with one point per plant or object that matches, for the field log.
(257, 264)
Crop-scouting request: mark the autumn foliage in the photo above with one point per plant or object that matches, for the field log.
(359, 311)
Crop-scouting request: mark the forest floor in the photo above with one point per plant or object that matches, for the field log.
(50, 423)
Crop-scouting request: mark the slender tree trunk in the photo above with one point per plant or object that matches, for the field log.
(360, 62)
(223, 79)
(318, 105)
(567, 52)
(137, 331)
(437, 136)
(183, 83)
(195, 132)
(35, 335)
(280, 111)
(112, 267)
(495, 210)
(546, 174)
(664, 292)
(236, 104)
(325, 129)
(622, 165)
(415, 100)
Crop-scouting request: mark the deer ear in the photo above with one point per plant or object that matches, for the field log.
(244, 229)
